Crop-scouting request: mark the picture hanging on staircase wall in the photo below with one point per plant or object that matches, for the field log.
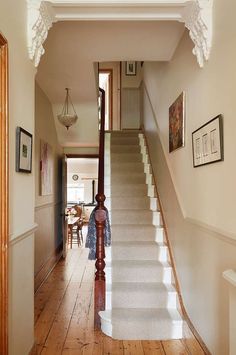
(207, 142)
(176, 123)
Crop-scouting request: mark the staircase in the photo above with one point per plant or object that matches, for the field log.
(141, 300)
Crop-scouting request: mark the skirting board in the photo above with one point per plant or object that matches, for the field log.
(33, 351)
(47, 267)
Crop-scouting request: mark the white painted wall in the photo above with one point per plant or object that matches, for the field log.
(198, 203)
(115, 66)
(130, 98)
(47, 208)
(21, 113)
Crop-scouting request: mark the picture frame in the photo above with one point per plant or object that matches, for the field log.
(207, 142)
(131, 68)
(24, 141)
(177, 123)
(46, 168)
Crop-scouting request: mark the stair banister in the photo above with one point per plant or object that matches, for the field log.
(100, 217)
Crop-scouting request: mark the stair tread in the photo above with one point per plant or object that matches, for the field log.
(139, 243)
(142, 314)
(132, 226)
(141, 287)
(138, 263)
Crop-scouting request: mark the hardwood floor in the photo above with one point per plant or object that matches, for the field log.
(64, 317)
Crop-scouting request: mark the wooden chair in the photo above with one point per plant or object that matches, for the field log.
(77, 229)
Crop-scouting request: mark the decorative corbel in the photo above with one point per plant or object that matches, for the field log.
(198, 20)
(40, 20)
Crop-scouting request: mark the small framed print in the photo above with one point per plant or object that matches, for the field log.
(131, 68)
(23, 150)
(207, 142)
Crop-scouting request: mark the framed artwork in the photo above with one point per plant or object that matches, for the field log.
(176, 123)
(24, 141)
(207, 142)
(130, 68)
(46, 168)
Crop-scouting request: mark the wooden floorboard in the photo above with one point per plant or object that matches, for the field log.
(64, 317)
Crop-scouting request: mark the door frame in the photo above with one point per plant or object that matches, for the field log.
(4, 193)
(109, 71)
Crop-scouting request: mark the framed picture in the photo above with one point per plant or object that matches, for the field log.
(207, 142)
(23, 150)
(130, 68)
(46, 168)
(176, 123)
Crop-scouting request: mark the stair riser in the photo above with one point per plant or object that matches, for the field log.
(132, 203)
(130, 191)
(125, 149)
(140, 299)
(127, 167)
(147, 330)
(122, 158)
(128, 179)
(125, 140)
(135, 217)
(138, 274)
(122, 233)
(139, 253)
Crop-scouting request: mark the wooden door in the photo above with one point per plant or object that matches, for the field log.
(4, 228)
(64, 205)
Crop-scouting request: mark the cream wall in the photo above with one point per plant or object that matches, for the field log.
(130, 98)
(21, 113)
(198, 203)
(48, 208)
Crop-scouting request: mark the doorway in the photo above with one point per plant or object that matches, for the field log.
(4, 201)
(106, 83)
(81, 186)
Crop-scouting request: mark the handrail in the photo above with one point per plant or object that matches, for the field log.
(100, 218)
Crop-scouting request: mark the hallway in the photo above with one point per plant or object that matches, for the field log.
(64, 317)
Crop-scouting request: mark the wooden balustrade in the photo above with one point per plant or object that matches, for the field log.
(100, 218)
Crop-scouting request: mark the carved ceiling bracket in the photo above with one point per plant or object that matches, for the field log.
(198, 20)
(196, 14)
(40, 19)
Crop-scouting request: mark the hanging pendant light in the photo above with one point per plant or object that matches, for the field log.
(68, 117)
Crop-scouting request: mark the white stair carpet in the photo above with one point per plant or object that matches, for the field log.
(141, 300)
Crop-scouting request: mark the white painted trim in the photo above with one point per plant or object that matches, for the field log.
(221, 234)
(230, 276)
(19, 236)
(46, 205)
(195, 14)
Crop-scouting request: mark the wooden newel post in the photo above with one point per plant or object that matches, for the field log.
(100, 280)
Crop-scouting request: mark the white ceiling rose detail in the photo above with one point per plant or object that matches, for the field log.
(195, 14)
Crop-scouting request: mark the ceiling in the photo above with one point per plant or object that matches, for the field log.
(72, 48)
